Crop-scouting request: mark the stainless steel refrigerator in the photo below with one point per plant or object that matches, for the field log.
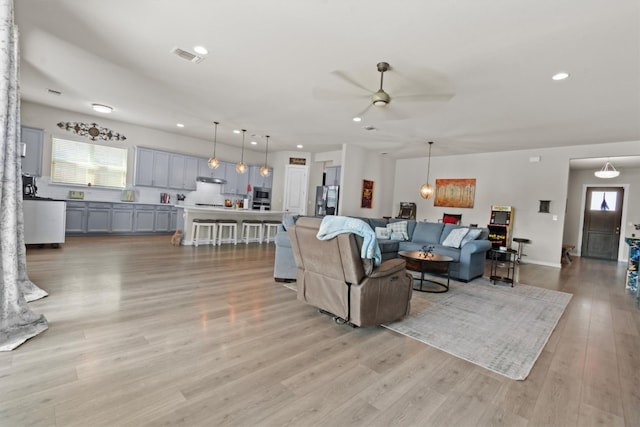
(327, 200)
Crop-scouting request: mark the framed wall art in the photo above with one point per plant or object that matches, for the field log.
(367, 194)
(455, 193)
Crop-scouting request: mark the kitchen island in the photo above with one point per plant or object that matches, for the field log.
(190, 212)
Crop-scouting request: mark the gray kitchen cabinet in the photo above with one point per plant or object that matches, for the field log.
(332, 175)
(183, 171)
(33, 139)
(152, 168)
(257, 180)
(144, 218)
(76, 218)
(162, 220)
(98, 217)
(236, 182)
(122, 218)
(204, 170)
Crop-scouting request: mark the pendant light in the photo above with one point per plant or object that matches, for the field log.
(607, 171)
(242, 166)
(426, 190)
(264, 170)
(213, 161)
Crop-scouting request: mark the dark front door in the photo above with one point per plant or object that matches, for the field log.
(602, 218)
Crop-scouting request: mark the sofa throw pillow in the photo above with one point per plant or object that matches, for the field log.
(454, 239)
(382, 233)
(473, 234)
(398, 230)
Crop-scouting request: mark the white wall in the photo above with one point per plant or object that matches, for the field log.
(509, 179)
(359, 164)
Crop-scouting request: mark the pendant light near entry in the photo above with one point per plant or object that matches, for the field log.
(213, 161)
(242, 166)
(264, 170)
(607, 171)
(426, 190)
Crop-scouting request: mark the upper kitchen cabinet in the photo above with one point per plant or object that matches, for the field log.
(332, 175)
(152, 168)
(32, 161)
(257, 180)
(183, 171)
(236, 182)
(204, 170)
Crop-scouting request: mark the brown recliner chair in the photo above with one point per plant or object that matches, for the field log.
(332, 276)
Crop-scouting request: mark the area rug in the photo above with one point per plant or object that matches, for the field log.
(498, 327)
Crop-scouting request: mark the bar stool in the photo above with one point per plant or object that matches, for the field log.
(252, 224)
(232, 226)
(268, 225)
(208, 225)
(521, 242)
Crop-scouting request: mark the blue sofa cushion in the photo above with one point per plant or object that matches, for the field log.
(427, 232)
(377, 222)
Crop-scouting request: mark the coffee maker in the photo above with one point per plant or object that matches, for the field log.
(29, 188)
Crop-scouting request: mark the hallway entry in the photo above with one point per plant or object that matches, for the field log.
(602, 220)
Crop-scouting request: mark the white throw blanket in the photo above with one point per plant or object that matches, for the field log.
(332, 225)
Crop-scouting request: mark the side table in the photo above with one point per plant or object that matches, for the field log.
(503, 265)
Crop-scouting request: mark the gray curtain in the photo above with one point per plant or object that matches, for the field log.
(17, 322)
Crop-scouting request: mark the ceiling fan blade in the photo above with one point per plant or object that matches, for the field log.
(348, 79)
(363, 112)
(425, 97)
(334, 95)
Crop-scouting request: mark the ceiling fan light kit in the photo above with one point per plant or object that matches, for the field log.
(426, 190)
(607, 171)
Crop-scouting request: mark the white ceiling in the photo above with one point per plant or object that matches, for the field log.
(271, 69)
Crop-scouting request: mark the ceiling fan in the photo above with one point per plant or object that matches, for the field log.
(381, 98)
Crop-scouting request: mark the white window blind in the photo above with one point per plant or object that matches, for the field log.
(74, 162)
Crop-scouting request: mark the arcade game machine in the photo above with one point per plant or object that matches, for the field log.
(500, 226)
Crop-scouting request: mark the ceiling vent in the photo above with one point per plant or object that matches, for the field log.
(187, 55)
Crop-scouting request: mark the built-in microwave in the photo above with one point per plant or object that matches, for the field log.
(261, 194)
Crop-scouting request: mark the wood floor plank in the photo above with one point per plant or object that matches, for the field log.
(145, 333)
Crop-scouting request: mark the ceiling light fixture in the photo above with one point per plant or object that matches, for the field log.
(180, 125)
(213, 161)
(560, 76)
(242, 166)
(607, 171)
(201, 50)
(299, 145)
(426, 190)
(264, 170)
(101, 108)
(357, 119)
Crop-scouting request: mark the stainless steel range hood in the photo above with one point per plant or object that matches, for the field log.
(211, 180)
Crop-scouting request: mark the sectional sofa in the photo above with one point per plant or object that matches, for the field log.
(467, 246)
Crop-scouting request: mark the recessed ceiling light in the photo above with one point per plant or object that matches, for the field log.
(357, 119)
(236, 131)
(201, 50)
(299, 145)
(560, 76)
(180, 125)
(254, 143)
(101, 108)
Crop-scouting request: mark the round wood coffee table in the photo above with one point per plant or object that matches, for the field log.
(431, 263)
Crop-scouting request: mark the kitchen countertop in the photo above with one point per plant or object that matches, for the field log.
(226, 210)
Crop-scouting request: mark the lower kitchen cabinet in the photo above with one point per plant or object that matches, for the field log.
(144, 222)
(118, 218)
(122, 218)
(99, 217)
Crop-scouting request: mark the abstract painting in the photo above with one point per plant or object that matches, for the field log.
(455, 193)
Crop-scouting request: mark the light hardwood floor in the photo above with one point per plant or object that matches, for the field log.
(145, 333)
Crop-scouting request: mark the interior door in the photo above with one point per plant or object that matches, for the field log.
(295, 190)
(602, 220)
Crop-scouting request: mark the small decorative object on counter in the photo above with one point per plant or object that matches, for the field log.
(180, 197)
(427, 251)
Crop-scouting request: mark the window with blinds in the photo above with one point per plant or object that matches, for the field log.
(74, 162)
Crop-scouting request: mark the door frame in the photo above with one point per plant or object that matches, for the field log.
(623, 222)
